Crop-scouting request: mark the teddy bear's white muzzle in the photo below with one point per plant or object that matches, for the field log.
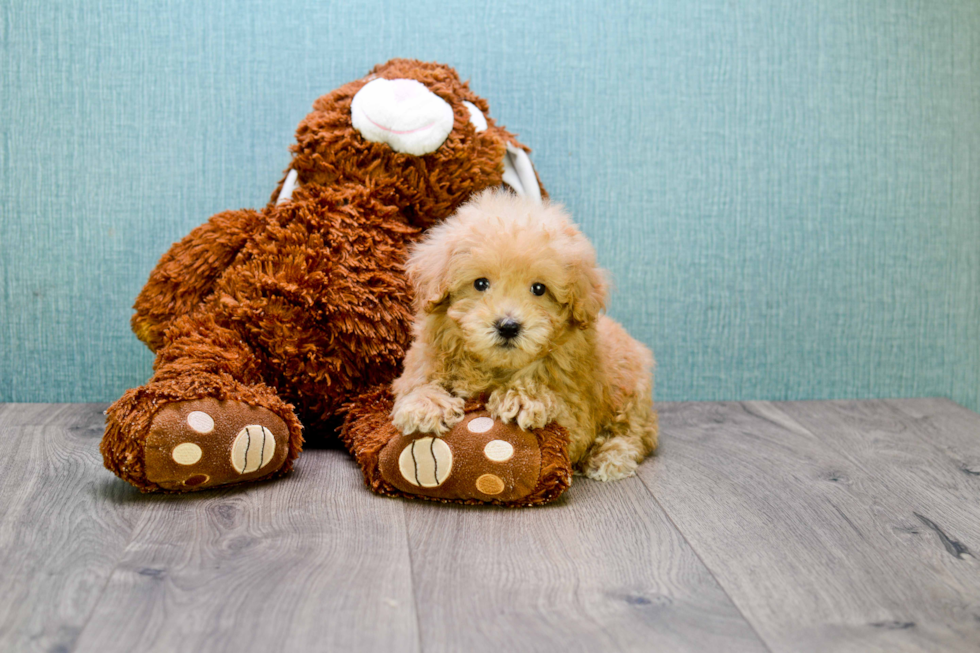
(402, 113)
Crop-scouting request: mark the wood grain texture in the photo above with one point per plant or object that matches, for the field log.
(313, 561)
(815, 518)
(812, 526)
(908, 460)
(63, 523)
(603, 569)
(950, 427)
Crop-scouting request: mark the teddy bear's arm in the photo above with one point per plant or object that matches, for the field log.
(186, 273)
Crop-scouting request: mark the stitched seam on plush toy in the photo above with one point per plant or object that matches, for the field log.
(416, 463)
(262, 450)
(248, 443)
(435, 461)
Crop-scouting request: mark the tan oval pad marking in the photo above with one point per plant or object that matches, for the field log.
(490, 484)
(187, 453)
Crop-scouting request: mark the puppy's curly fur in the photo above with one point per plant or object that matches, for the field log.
(508, 302)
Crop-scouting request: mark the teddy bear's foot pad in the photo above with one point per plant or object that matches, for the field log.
(204, 443)
(479, 459)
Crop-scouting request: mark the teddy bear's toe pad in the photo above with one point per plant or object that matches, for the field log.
(426, 462)
(480, 458)
(205, 442)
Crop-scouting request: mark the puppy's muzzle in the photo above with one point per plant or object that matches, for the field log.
(508, 328)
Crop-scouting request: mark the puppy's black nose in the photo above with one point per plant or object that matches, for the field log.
(508, 328)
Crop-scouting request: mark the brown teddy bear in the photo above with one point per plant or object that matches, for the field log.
(305, 303)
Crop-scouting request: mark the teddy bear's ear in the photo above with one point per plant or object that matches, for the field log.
(519, 173)
(288, 186)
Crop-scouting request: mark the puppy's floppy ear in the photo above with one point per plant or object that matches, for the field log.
(428, 269)
(587, 295)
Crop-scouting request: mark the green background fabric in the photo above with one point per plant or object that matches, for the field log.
(787, 194)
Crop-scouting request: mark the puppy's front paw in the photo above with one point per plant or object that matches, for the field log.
(427, 409)
(529, 412)
(609, 465)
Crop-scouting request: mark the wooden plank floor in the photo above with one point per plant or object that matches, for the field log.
(810, 526)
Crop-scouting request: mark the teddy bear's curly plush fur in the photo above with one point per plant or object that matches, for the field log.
(302, 304)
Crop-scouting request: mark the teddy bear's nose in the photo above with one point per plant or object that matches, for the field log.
(406, 89)
(403, 114)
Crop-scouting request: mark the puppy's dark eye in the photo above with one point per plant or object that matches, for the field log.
(538, 289)
(481, 284)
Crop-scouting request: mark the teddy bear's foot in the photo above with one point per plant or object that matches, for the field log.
(199, 431)
(203, 443)
(479, 460)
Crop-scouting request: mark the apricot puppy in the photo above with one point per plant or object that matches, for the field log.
(508, 302)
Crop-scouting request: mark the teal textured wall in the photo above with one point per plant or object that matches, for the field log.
(788, 194)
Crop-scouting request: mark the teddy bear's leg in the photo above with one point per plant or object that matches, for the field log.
(187, 272)
(205, 418)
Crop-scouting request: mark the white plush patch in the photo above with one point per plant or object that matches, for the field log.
(490, 484)
(476, 116)
(426, 462)
(200, 422)
(402, 113)
(519, 173)
(252, 449)
(479, 425)
(498, 450)
(288, 186)
(186, 453)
